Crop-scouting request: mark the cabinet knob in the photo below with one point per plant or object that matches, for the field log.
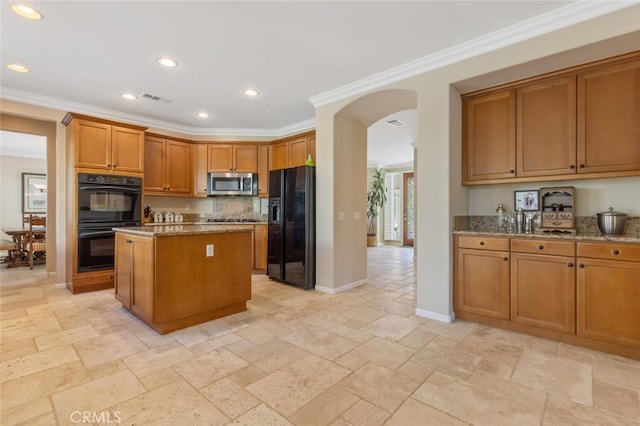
(581, 166)
(481, 243)
(616, 252)
(128, 241)
(570, 265)
(540, 247)
(571, 166)
(512, 171)
(109, 165)
(581, 265)
(505, 258)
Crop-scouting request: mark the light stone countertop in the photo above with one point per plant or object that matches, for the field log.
(183, 229)
(631, 237)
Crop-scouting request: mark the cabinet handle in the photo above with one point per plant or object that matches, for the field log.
(571, 166)
(540, 247)
(557, 223)
(581, 166)
(616, 252)
(581, 265)
(512, 171)
(505, 258)
(128, 241)
(481, 243)
(109, 165)
(570, 265)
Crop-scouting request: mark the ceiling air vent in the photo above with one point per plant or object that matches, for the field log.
(396, 123)
(155, 98)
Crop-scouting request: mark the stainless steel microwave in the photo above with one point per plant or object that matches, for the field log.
(232, 184)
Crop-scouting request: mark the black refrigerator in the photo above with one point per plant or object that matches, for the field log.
(291, 245)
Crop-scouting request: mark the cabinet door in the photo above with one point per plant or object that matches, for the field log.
(245, 159)
(543, 291)
(311, 147)
(489, 137)
(123, 270)
(483, 282)
(297, 152)
(201, 158)
(220, 158)
(608, 118)
(263, 171)
(92, 144)
(143, 277)
(260, 246)
(608, 293)
(178, 167)
(127, 147)
(279, 156)
(546, 142)
(154, 164)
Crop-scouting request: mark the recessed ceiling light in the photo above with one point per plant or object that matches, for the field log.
(26, 11)
(167, 62)
(129, 96)
(251, 92)
(17, 68)
(203, 114)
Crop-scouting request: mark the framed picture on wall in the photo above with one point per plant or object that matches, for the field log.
(528, 200)
(34, 193)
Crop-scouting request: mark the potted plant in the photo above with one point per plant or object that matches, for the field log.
(376, 197)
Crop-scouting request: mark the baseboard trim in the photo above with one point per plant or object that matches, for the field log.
(60, 285)
(435, 316)
(349, 286)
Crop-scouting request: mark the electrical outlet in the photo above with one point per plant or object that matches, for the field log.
(340, 215)
(209, 250)
(357, 215)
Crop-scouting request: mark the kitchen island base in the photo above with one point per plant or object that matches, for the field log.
(172, 279)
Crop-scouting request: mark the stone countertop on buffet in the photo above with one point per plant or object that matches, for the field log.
(166, 230)
(585, 230)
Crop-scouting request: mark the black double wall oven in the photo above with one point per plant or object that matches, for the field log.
(104, 202)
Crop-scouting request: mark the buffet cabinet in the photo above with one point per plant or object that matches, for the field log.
(555, 127)
(582, 293)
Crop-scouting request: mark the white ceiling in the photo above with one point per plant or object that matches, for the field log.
(84, 54)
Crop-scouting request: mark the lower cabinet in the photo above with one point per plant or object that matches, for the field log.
(543, 282)
(134, 284)
(608, 293)
(482, 277)
(260, 247)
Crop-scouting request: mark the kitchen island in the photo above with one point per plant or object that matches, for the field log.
(176, 276)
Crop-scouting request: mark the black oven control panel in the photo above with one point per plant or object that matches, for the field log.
(109, 179)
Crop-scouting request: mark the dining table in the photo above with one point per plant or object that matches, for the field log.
(20, 255)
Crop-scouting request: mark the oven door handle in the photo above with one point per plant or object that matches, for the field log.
(107, 188)
(95, 233)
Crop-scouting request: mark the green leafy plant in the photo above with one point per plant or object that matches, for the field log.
(376, 197)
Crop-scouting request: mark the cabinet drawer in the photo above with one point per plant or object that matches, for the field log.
(550, 247)
(549, 215)
(565, 215)
(484, 243)
(630, 252)
(557, 223)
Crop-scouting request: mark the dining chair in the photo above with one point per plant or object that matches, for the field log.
(9, 246)
(37, 241)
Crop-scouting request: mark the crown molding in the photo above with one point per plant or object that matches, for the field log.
(571, 14)
(63, 105)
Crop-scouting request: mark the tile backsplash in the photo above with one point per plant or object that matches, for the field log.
(196, 209)
(584, 224)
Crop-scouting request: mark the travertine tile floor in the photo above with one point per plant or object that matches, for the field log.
(305, 358)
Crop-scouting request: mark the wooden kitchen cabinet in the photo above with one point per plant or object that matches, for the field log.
(263, 171)
(608, 291)
(481, 283)
(546, 123)
(168, 169)
(608, 118)
(200, 169)
(489, 137)
(543, 284)
(134, 275)
(292, 151)
(233, 158)
(105, 145)
(260, 247)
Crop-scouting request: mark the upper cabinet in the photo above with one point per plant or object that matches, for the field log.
(578, 123)
(239, 158)
(105, 145)
(292, 151)
(200, 169)
(168, 166)
(609, 118)
(263, 171)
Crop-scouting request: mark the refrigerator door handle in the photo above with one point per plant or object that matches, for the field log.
(275, 213)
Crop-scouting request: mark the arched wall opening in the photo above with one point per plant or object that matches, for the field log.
(341, 182)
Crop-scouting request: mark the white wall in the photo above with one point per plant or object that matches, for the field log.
(11, 169)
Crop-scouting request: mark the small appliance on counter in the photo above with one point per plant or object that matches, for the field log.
(558, 215)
